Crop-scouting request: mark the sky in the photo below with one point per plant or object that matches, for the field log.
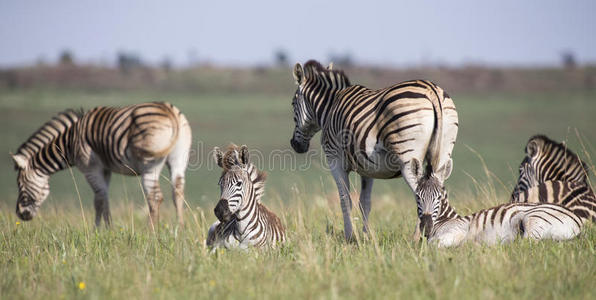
(401, 33)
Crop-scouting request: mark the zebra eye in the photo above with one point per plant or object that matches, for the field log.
(238, 183)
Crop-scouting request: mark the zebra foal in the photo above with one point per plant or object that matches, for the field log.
(552, 173)
(131, 140)
(243, 221)
(499, 224)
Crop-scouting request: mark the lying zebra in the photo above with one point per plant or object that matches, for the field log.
(243, 221)
(501, 223)
(552, 173)
(131, 140)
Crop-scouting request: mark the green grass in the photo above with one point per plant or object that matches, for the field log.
(49, 256)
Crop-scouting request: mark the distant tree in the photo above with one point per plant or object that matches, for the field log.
(568, 59)
(128, 61)
(281, 58)
(66, 58)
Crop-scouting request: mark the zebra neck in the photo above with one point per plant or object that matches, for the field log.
(323, 101)
(447, 213)
(248, 214)
(55, 155)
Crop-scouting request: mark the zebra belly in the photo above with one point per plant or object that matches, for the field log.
(500, 233)
(378, 164)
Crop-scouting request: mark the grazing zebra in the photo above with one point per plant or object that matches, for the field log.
(548, 160)
(575, 196)
(243, 221)
(552, 173)
(501, 223)
(131, 140)
(383, 133)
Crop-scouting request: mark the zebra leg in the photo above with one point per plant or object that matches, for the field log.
(153, 193)
(177, 161)
(343, 186)
(99, 180)
(177, 168)
(366, 189)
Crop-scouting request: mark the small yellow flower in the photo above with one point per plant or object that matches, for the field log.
(82, 285)
(64, 261)
(212, 282)
(18, 223)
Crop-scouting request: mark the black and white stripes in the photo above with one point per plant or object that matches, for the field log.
(383, 133)
(552, 173)
(243, 221)
(131, 140)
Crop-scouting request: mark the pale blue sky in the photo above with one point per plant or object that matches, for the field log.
(247, 32)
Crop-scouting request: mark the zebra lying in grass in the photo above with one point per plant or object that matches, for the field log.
(243, 221)
(552, 173)
(501, 223)
(131, 140)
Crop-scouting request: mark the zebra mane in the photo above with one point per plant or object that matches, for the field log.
(238, 157)
(49, 132)
(552, 145)
(313, 66)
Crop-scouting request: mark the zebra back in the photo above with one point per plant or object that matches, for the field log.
(48, 132)
(576, 196)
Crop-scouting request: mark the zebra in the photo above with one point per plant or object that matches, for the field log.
(501, 223)
(131, 140)
(575, 196)
(243, 221)
(385, 133)
(552, 173)
(547, 160)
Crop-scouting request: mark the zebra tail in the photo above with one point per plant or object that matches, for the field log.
(434, 152)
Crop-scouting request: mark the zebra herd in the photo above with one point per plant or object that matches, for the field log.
(406, 130)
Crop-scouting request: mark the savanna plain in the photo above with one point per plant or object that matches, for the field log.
(61, 255)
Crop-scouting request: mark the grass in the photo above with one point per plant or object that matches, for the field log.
(52, 255)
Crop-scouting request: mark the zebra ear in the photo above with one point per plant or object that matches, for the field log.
(416, 168)
(20, 161)
(218, 157)
(244, 156)
(532, 149)
(330, 66)
(447, 168)
(298, 73)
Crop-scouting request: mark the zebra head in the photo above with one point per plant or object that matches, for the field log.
(527, 178)
(33, 187)
(316, 85)
(430, 194)
(239, 183)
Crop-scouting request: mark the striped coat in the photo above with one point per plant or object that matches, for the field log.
(385, 133)
(132, 140)
(504, 223)
(243, 221)
(551, 173)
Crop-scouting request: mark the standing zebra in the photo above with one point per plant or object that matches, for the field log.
(552, 173)
(501, 223)
(131, 140)
(383, 133)
(243, 220)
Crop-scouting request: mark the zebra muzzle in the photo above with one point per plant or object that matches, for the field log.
(299, 147)
(426, 225)
(222, 211)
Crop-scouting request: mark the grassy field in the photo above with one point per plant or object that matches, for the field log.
(60, 254)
